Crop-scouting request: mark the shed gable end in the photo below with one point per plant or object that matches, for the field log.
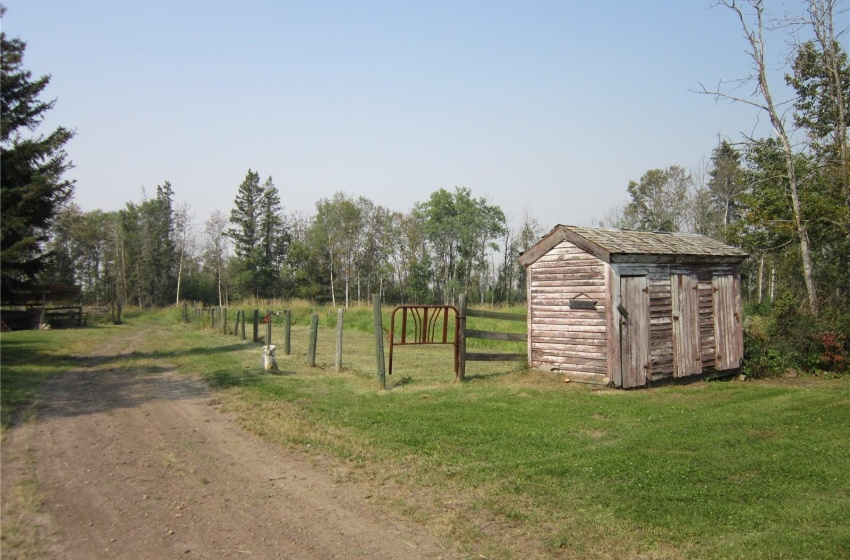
(563, 336)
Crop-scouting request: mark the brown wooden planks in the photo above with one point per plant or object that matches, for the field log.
(686, 342)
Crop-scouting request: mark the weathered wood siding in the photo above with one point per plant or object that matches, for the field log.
(661, 323)
(661, 351)
(686, 329)
(569, 340)
(635, 333)
(706, 321)
(727, 327)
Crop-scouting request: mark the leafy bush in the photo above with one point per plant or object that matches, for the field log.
(786, 338)
(833, 356)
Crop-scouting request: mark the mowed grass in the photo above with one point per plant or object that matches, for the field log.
(517, 464)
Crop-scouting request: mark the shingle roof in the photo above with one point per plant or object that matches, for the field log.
(620, 245)
(629, 242)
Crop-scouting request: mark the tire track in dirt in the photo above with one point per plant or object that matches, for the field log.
(142, 465)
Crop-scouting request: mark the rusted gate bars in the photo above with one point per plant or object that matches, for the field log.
(430, 326)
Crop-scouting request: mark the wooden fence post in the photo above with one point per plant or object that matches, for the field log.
(243, 324)
(287, 325)
(314, 337)
(236, 325)
(224, 320)
(461, 339)
(256, 325)
(269, 328)
(379, 340)
(338, 363)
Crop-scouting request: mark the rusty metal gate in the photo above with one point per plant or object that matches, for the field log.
(429, 324)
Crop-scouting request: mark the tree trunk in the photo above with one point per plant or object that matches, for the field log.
(333, 291)
(756, 40)
(802, 229)
(821, 20)
(180, 273)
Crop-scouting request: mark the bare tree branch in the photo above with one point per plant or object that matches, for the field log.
(754, 34)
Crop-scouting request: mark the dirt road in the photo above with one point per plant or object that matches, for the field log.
(144, 466)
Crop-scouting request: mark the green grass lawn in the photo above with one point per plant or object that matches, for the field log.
(511, 457)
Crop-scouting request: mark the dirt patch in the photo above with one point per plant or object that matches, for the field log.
(130, 464)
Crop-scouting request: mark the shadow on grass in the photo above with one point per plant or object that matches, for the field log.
(489, 375)
(62, 385)
(227, 379)
(401, 381)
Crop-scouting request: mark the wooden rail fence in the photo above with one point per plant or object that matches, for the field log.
(465, 333)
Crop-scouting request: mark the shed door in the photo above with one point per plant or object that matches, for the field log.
(686, 341)
(728, 331)
(634, 330)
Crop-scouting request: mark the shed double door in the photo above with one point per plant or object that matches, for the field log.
(637, 335)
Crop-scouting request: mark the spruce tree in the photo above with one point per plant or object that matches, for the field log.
(246, 234)
(259, 236)
(725, 185)
(31, 168)
(270, 238)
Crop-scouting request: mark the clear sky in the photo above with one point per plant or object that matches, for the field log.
(549, 106)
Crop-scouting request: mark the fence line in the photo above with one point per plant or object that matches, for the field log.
(465, 333)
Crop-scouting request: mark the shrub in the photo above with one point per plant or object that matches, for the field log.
(833, 356)
(788, 338)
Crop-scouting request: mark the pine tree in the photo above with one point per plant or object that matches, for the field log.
(31, 167)
(159, 217)
(246, 234)
(271, 239)
(726, 184)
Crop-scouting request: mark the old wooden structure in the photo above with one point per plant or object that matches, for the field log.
(35, 306)
(628, 308)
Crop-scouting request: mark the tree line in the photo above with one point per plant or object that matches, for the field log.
(785, 199)
(149, 253)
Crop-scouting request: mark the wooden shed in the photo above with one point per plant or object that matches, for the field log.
(631, 307)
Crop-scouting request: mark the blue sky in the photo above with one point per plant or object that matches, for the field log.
(549, 106)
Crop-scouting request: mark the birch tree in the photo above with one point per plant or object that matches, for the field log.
(215, 248)
(182, 228)
(751, 17)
